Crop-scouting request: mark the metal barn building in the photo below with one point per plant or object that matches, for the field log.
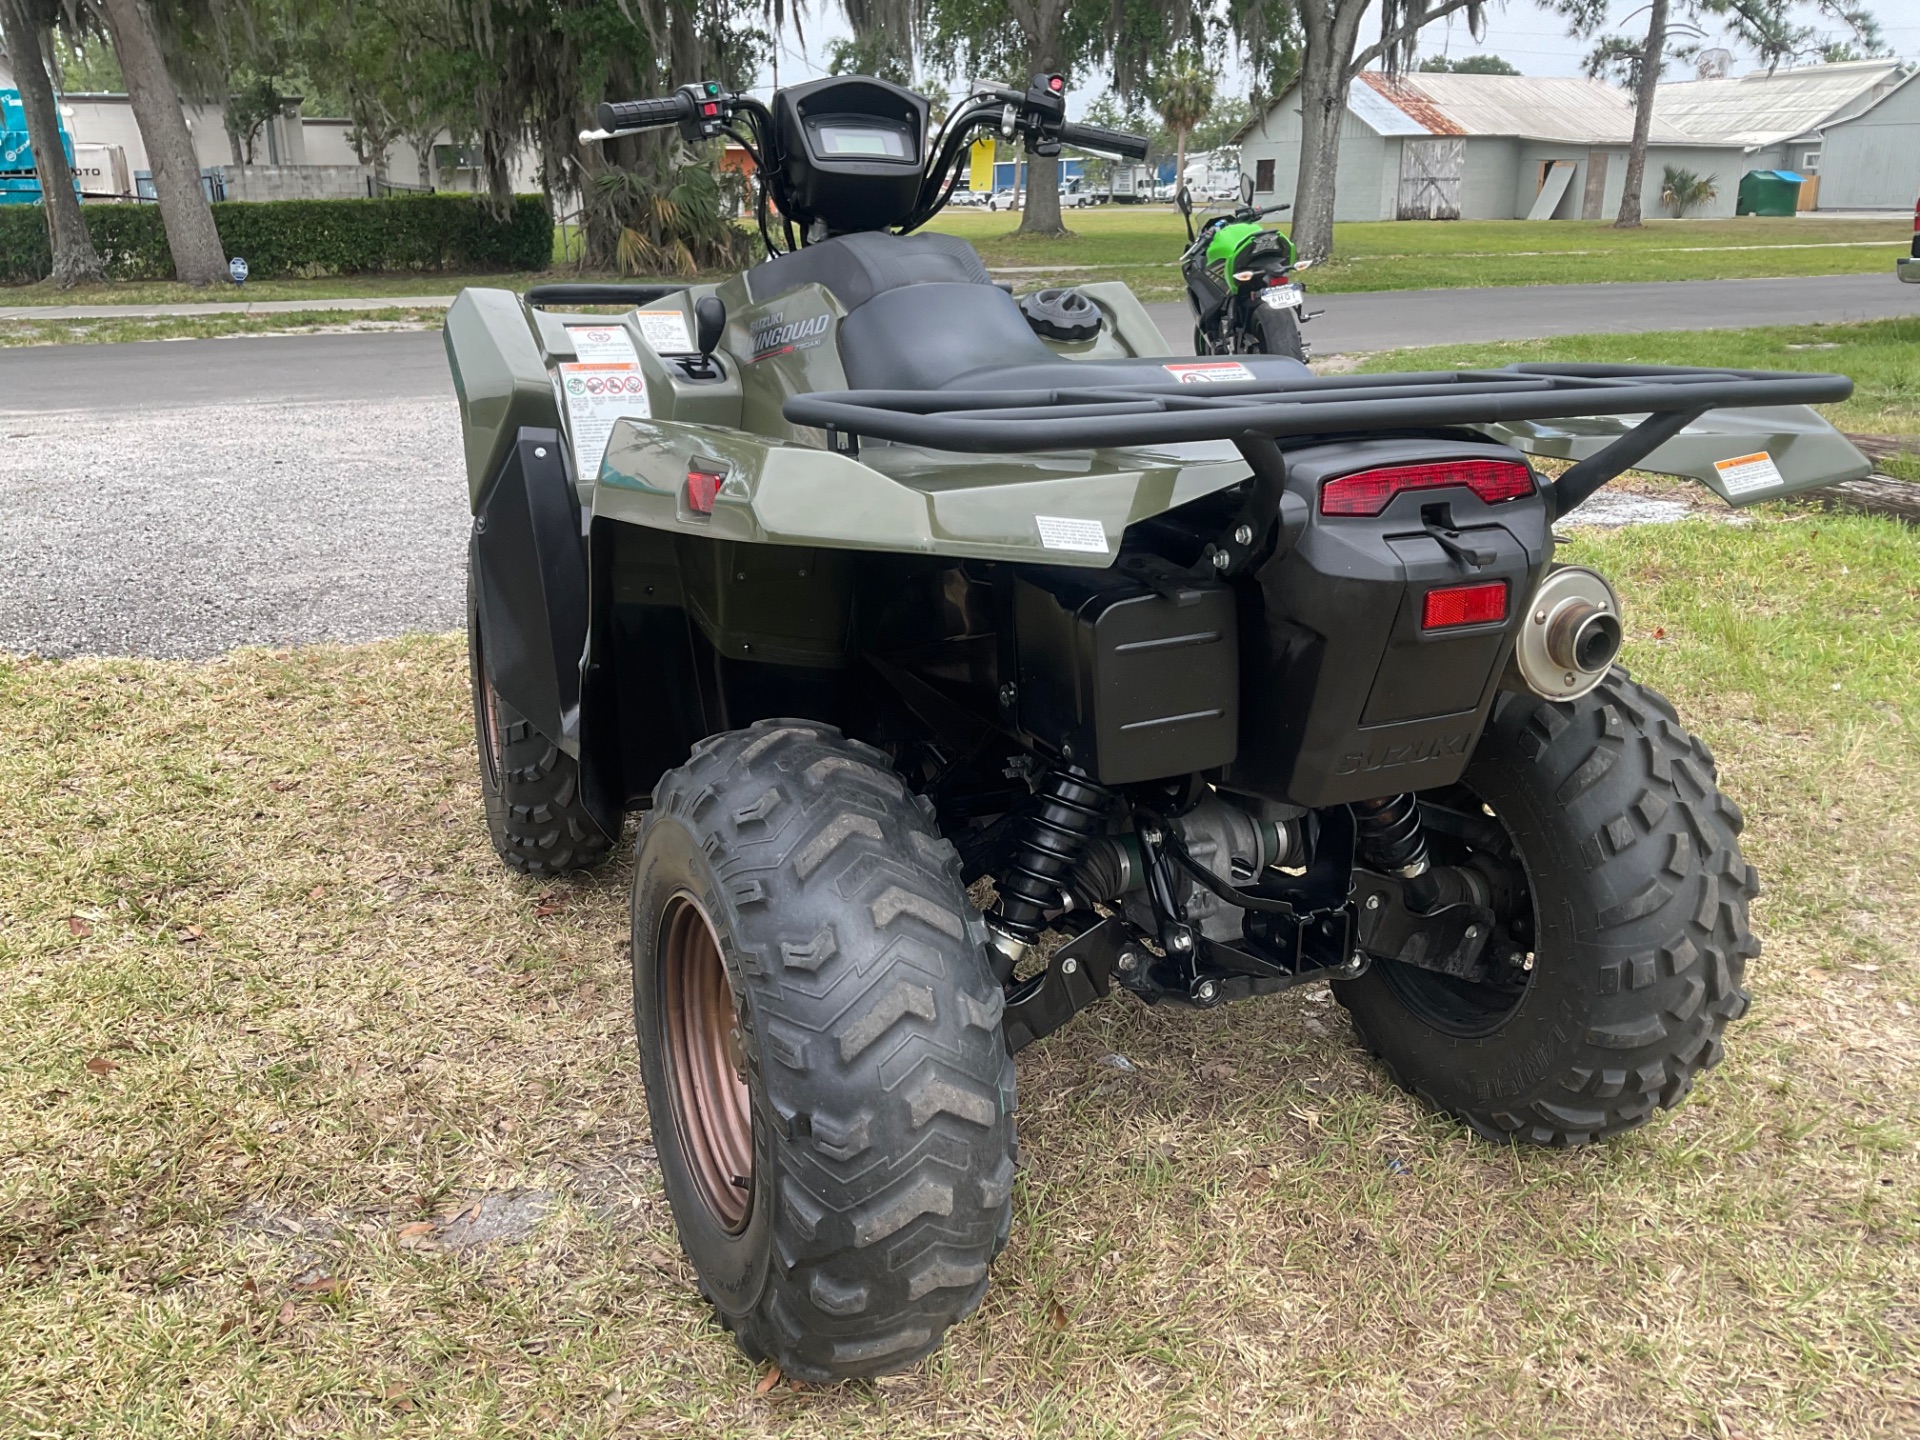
(1505, 147)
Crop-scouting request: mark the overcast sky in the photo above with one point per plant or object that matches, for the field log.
(1518, 31)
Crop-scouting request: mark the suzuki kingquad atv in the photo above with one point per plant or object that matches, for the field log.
(1241, 281)
(866, 583)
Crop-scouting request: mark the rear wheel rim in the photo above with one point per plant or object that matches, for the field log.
(1463, 1008)
(712, 1107)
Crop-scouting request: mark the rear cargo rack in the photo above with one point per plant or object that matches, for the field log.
(1257, 413)
(1095, 416)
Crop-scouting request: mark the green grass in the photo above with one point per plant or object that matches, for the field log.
(206, 327)
(1385, 255)
(1881, 356)
(1138, 244)
(274, 1014)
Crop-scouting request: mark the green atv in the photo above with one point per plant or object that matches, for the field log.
(865, 583)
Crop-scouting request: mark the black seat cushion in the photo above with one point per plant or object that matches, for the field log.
(855, 268)
(969, 337)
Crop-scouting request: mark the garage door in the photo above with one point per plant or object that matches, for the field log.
(1430, 174)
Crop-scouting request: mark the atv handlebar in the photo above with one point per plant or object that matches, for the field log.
(1113, 142)
(618, 115)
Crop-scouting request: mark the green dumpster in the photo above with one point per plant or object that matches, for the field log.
(1768, 192)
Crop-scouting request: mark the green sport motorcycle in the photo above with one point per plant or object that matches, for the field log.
(858, 581)
(1241, 282)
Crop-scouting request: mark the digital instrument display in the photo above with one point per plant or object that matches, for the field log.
(860, 137)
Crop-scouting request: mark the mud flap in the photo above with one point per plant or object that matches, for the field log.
(531, 565)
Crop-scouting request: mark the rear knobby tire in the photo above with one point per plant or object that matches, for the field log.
(529, 786)
(1640, 920)
(879, 1085)
(1280, 334)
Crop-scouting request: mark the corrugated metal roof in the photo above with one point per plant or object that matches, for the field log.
(1406, 99)
(1372, 105)
(1537, 107)
(1762, 109)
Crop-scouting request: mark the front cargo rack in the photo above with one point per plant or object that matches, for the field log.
(1257, 413)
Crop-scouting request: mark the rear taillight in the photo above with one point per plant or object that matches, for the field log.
(1371, 491)
(702, 487)
(1465, 605)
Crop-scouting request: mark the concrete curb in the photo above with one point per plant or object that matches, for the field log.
(223, 307)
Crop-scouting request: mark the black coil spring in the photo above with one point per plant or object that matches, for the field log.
(1070, 808)
(1388, 833)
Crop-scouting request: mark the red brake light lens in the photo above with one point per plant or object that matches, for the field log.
(1371, 491)
(1465, 605)
(702, 487)
(1056, 83)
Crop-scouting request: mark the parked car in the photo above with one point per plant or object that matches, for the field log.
(1073, 196)
(1004, 200)
(974, 198)
(1908, 268)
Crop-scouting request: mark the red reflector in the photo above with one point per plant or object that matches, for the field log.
(1465, 605)
(1056, 82)
(1370, 491)
(702, 486)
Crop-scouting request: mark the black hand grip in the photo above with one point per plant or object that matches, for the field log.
(1114, 142)
(619, 115)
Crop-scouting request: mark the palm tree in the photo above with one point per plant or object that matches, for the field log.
(1182, 95)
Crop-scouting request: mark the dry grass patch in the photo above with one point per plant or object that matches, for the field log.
(316, 1121)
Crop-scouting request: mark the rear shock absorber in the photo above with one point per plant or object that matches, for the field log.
(1389, 835)
(1070, 809)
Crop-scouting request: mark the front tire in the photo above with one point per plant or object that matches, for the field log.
(1636, 923)
(529, 786)
(820, 1034)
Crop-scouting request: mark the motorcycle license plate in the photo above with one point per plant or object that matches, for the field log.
(1284, 297)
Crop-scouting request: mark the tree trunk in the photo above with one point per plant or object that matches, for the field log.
(198, 258)
(75, 261)
(1040, 22)
(1042, 213)
(1332, 28)
(1651, 59)
(1179, 161)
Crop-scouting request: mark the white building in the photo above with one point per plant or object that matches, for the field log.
(1499, 147)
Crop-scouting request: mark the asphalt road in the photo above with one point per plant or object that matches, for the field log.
(179, 498)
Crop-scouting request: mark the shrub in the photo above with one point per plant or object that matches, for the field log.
(1682, 190)
(303, 237)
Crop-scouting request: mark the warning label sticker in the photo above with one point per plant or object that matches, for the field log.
(1063, 533)
(603, 344)
(1209, 372)
(665, 331)
(1744, 474)
(597, 395)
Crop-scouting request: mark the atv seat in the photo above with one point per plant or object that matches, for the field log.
(922, 314)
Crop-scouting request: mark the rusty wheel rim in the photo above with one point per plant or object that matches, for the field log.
(489, 717)
(712, 1109)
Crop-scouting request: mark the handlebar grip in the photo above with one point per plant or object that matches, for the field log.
(642, 114)
(1114, 142)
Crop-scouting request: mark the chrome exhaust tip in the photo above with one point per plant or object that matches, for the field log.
(1570, 636)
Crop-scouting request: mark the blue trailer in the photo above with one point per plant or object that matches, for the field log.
(19, 182)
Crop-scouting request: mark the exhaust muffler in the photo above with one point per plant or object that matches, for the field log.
(1570, 635)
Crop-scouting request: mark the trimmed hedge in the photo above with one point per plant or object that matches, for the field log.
(303, 237)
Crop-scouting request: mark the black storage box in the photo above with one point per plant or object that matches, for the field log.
(1124, 682)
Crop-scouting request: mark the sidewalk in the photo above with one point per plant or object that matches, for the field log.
(221, 307)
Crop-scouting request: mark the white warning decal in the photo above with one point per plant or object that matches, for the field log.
(1744, 474)
(1062, 533)
(665, 331)
(597, 395)
(602, 344)
(1209, 372)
